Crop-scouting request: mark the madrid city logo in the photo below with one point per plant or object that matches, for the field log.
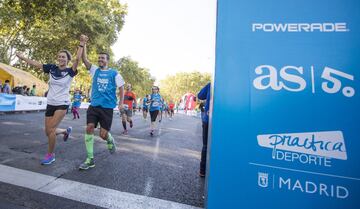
(263, 179)
(313, 148)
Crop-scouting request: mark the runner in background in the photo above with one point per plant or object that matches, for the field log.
(58, 98)
(134, 107)
(171, 109)
(161, 110)
(146, 103)
(76, 105)
(155, 106)
(166, 109)
(127, 111)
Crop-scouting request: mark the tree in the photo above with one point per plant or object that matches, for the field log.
(41, 28)
(139, 78)
(175, 86)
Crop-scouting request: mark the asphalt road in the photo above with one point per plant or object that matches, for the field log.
(164, 166)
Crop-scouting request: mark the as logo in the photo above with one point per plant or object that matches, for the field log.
(288, 78)
(263, 179)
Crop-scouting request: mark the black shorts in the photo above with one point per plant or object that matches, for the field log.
(153, 115)
(100, 115)
(50, 109)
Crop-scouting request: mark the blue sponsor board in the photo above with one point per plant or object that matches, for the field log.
(285, 120)
(7, 102)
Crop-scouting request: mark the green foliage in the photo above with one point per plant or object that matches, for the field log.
(138, 77)
(175, 86)
(41, 28)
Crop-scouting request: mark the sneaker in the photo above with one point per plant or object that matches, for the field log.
(125, 132)
(152, 133)
(202, 174)
(89, 163)
(67, 134)
(111, 147)
(49, 158)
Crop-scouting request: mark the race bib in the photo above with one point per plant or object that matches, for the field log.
(155, 104)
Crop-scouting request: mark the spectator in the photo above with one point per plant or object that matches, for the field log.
(33, 91)
(6, 87)
(204, 94)
(23, 90)
(27, 92)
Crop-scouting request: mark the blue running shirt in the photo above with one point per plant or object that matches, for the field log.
(145, 105)
(104, 85)
(156, 102)
(77, 100)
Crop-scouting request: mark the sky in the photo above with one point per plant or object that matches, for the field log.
(169, 36)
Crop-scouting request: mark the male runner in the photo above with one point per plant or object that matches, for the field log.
(171, 109)
(105, 81)
(126, 113)
(146, 103)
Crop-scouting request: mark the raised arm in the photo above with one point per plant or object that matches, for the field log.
(79, 53)
(29, 61)
(84, 55)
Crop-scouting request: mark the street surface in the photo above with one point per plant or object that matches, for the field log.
(145, 172)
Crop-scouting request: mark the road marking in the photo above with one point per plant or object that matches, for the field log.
(150, 181)
(148, 186)
(81, 192)
(303, 171)
(176, 129)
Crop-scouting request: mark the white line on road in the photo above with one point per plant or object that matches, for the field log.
(86, 193)
(150, 181)
(148, 186)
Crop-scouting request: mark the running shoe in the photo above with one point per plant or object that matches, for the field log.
(152, 133)
(67, 134)
(125, 132)
(202, 174)
(89, 163)
(111, 146)
(49, 158)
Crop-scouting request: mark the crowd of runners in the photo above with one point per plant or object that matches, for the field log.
(108, 92)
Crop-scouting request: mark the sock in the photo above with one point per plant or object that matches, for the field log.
(124, 124)
(110, 138)
(89, 142)
(152, 126)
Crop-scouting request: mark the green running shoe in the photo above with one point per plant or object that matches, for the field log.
(89, 163)
(111, 146)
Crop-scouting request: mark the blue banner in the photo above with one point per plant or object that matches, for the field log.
(285, 120)
(7, 102)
